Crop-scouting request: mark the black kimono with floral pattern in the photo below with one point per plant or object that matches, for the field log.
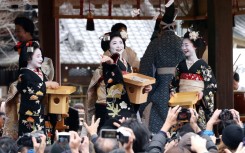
(117, 101)
(33, 89)
(200, 70)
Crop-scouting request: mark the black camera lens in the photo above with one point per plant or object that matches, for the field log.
(184, 114)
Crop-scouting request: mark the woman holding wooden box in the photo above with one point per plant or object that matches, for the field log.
(32, 84)
(193, 74)
(107, 96)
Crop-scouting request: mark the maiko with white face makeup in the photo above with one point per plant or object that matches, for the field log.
(195, 75)
(32, 84)
(116, 45)
(188, 48)
(37, 59)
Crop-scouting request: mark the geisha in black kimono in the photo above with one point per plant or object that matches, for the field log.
(193, 74)
(32, 85)
(107, 96)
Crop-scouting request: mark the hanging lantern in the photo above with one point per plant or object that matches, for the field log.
(90, 20)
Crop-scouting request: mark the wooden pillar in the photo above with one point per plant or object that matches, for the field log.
(49, 34)
(220, 49)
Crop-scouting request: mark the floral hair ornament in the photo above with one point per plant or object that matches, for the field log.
(124, 34)
(193, 35)
(105, 37)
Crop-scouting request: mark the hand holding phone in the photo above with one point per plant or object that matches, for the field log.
(63, 137)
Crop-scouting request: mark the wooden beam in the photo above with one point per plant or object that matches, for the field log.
(220, 56)
(48, 31)
(129, 17)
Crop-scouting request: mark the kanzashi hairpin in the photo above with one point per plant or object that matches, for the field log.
(193, 35)
(30, 49)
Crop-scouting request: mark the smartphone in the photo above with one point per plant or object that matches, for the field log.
(109, 133)
(63, 137)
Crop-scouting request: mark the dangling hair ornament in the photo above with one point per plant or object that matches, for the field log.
(193, 35)
(30, 49)
(105, 37)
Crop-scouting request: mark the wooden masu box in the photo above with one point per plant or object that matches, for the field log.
(135, 84)
(184, 99)
(58, 100)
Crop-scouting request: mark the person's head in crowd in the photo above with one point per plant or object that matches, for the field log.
(79, 107)
(105, 145)
(23, 149)
(119, 150)
(31, 55)
(114, 42)
(186, 128)
(192, 43)
(24, 29)
(232, 135)
(236, 80)
(177, 149)
(226, 118)
(141, 133)
(59, 147)
(120, 27)
(8, 145)
(185, 140)
(2, 119)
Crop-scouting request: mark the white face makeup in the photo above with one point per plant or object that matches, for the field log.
(188, 48)
(116, 45)
(37, 59)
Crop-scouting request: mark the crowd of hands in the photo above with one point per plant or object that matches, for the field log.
(198, 144)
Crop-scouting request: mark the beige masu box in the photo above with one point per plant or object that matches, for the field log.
(184, 99)
(135, 84)
(59, 99)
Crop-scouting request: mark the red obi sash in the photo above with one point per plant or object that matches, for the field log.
(191, 76)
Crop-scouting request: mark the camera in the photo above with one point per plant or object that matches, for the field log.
(63, 137)
(225, 115)
(109, 133)
(184, 115)
(226, 118)
(26, 139)
(119, 134)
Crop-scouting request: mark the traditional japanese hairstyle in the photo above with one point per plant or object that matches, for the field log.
(107, 37)
(27, 52)
(196, 40)
(26, 23)
(119, 27)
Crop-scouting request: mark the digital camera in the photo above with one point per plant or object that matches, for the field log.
(225, 115)
(184, 114)
(26, 139)
(119, 134)
(63, 137)
(226, 118)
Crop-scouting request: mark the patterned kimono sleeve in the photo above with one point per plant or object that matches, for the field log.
(174, 85)
(22, 83)
(147, 66)
(210, 87)
(27, 86)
